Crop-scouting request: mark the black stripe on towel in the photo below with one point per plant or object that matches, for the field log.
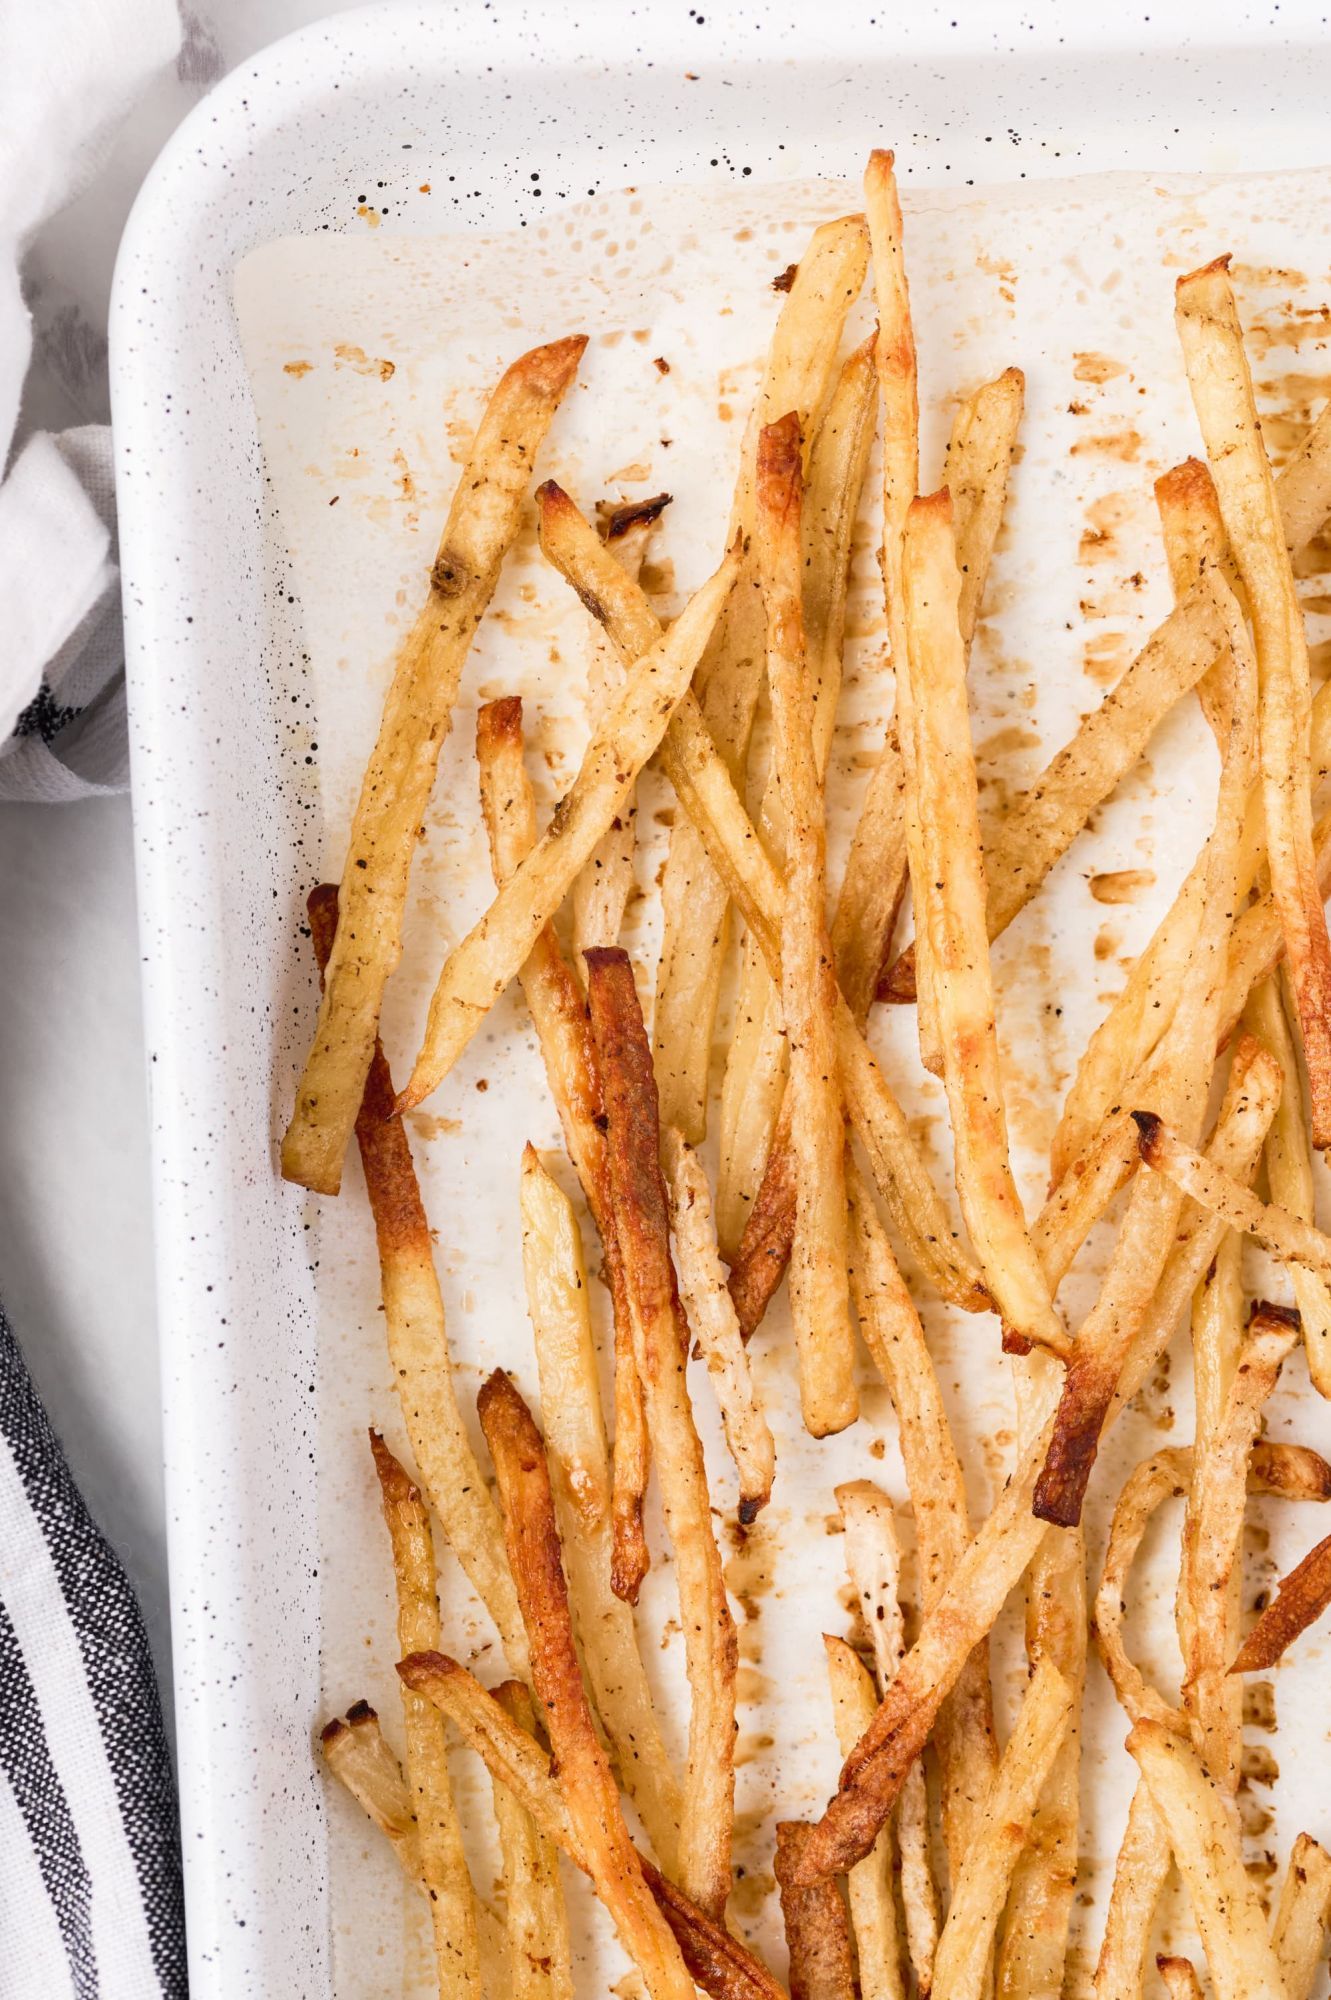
(26, 1760)
(114, 1647)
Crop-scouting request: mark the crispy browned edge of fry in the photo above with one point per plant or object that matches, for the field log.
(499, 732)
(616, 521)
(817, 1925)
(1301, 1598)
(764, 1245)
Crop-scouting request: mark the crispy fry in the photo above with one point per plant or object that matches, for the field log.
(1194, 537)
(418, 1338)
(1218, 376)
(1289, 1167)
(718, 1962)
(540, 1959)
(800, 371)
(443, 1864)
(690, 760)
(712, 1317)
(1298, 1929)
(660, 1334)
(1284, 1235)
(822, 1966)
(873, 1910)
(980, 1890)
(1257, 947)
(1081, 1195)
(358, 1757)
(949, 900)
(559, 1014)
(482, 521)
(873, 1564)
(1161, 1477)
(584, 1774)
(979, 460)
(477, 970)
(1179, 1976)
(1140, 1873)
(819, 1291)
(1203, 1832)
(1301, 1598)
(580, 1471)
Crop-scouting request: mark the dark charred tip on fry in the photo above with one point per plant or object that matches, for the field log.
(499, 720)
(896, 988)
(616, 521)
(1220, 263)
(783, 280)
(360, 1713)
(322, 898)
(604, 957)
(331, 1731)
(1149, 1130)
(1265, 1312)
(1014, 1342)
(1190, 480)
(751, 1507)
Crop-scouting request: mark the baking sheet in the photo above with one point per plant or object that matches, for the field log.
(370, 359)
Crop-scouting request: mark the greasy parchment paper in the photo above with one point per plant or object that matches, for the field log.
(370, 359)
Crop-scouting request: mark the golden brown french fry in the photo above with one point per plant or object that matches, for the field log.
(873, 1910)
(1301, 1598)
(558, 1009)
(1289, 1169)
(1222, 394)
(718, 1962)
(1163, 1476)
(443, 1864)
(998, 1553)
(873, 1565)
(1081, 1195)
(949, 897)
(1140, 1872)
(1298, 1929)
(705, 789)
(1284, 1235)
(819, 1290)
(712, 1316)
(661, 1341)
(540, 1958)
(822, 1965)
(1257, 946)
(1204, 1835)
(979, 460)
(418, 1338)
(801, 369)
(1194, 538)
(480, 967)
(579, 1459)
(980, 1891)
(585, 1782)
(359, 1759)
(482, 521)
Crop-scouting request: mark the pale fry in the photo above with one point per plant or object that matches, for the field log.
(1284, 1235)
(873, 1910)
(1203, 1833)
(359, 1758)
(873, 1564)
(482, 521)
(558, 1009)
(711, 1314)
(480, 967)
(949, 899)
(1208, 1621)
(1179, 1977)
(580, 1472)
(822, 1965)
(585, 1782)
(1301, 1598)
(418, 1338)
(819, 1291)
(705, 789)
(1164, 1476)
(979, 460)
(1289, 1167)
(1298, 1929)
(661, 1339)
(980, 1891)
(443, 1864)
(540, 1958)
(1218, 376)
(1140, 1873)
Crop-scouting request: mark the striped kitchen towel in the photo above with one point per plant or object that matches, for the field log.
(90, 1887)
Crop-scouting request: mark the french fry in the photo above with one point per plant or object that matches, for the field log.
(556, 1282)
(800, 371)
(998, 1553)
(712, 1316)
(1301, 1598)
(1081, 1195)
(418, 1338)
(819, 1290)
(1218, 376)
(1179, 1976)
(359, 1759)
(1298, 1929)
(482, 522)
(949, 897)
(705, 789)
(718, 1962)
(540, 1957)
(1283, 1235)
(661, 1339)
(443, 1864)
(1257, 946)
(480, 967)
(822, 1965)
(1163, 1476)
(1140, 1873)
(1289, 1169)
(979, 460)
(873, 1564)
(873, 1910)
(558, 1009)
(980, 1891)
(1203, 1833)
(1194, 537)
(586, 1785)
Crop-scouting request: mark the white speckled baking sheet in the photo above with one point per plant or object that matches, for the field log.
(369, 358)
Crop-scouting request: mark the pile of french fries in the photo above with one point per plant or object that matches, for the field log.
(963, 1887)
